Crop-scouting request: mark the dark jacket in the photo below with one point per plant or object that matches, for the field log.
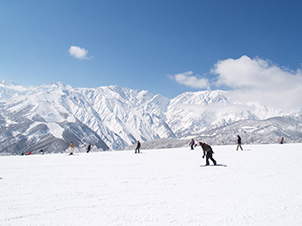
(206, 149)
(239, 140)
(138, 145)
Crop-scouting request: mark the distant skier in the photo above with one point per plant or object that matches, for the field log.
(41, 152)
(71, 148)
(282, 140)
(192, 144)
(208, 152)
(239, 143)
(138, 146)
(88, 148)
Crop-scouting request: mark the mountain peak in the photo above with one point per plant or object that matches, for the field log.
(118, 116)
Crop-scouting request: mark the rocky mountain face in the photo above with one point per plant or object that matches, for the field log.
(48, 117)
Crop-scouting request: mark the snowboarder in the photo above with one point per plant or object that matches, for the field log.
(89, 148)
(239, 143)
(192, 144)
(71, 148)
(138, 146)
(208, 152)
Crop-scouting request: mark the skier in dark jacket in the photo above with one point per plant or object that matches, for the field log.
(88, 148)
(138, 146)
(208, 152)
(239, 143)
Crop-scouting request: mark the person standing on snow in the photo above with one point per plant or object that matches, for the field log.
(192, 144)
(138, 146)
(208, 152)
(71, 148)
(89, 148)
(239, 143)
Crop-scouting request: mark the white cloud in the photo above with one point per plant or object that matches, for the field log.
(78, 52)
(252, 80)
(188, 79)
(261, 81)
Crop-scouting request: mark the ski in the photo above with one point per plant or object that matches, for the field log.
(214, 165)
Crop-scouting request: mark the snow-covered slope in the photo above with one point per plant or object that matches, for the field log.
(38, 119)
(46, 116)
(9, 89)
(116, 117)
(127, 114)
(192, 113)
(260, 186)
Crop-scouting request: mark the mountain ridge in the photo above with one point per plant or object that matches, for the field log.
(112, 117)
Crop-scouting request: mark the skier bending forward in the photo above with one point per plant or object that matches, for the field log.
(208, 152)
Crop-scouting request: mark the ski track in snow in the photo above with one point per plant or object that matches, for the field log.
(258, 186)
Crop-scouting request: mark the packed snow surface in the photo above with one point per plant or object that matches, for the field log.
(261, 185)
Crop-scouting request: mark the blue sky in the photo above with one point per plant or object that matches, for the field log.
(164, 46)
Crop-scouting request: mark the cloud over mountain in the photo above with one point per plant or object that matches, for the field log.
(193, 81)
(260, 81)
(248, 79)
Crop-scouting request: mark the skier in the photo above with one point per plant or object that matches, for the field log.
(138, 146)
(239, 143)
(192, 144)
(71, 148)
(282, 140)
(208, 152)
(89, 148)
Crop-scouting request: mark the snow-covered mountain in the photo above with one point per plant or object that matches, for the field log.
(50, 116)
